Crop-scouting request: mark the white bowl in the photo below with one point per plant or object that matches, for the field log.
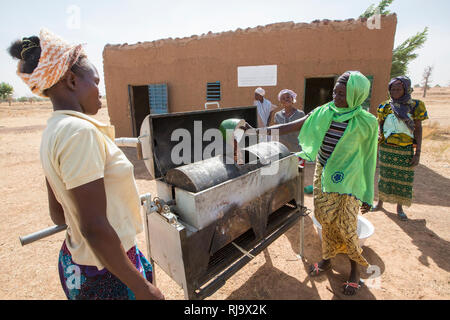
(364, 229)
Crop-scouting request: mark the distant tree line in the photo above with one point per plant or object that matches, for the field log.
(6, 95)
(23, 99)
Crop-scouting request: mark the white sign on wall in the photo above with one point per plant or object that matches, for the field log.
(256, 76)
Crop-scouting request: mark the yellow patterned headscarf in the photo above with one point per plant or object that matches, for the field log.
(57, 56)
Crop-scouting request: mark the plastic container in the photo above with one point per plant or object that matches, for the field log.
(230, 130)
(308, 189)
(364, 229)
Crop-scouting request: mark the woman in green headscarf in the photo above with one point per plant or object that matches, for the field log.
(342, 138)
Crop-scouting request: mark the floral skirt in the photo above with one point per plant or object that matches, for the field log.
(81, 282)
(338, 216)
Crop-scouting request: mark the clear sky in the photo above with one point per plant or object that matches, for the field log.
(98, 22)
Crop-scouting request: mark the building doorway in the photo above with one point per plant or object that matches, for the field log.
(139, 106)
(318, 91)
(144, 100)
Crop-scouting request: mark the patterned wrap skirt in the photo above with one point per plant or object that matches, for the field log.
(81, 282)
(396, 179)
(338, 216)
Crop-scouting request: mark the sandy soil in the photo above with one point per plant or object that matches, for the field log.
(412, 257)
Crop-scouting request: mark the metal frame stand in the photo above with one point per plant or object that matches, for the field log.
(303, 210)
(146, 202)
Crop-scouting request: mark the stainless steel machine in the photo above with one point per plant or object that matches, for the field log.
(215, 216)
(210, 216)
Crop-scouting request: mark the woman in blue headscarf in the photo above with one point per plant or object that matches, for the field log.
(400, 120)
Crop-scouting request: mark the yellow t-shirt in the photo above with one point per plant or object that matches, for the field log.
(401, 139)
(75, 150)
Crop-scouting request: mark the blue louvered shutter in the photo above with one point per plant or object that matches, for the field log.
(213, 91)
(158, 98)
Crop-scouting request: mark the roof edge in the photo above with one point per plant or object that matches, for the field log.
(266, 28)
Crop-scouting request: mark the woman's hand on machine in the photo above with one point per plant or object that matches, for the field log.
(246, 127)
(249, 130)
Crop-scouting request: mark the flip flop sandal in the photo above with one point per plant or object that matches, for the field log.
(402, 216)
(315, 271)
(351, 284)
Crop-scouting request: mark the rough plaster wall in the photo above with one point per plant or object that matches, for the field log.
(322, 48)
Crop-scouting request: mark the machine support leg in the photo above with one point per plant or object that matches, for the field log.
(300, 201)
(146, 202)
(302, 236)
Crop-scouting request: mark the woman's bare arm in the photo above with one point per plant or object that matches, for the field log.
(103, 240)
(274, 109)
(260, 123)
(285, 128)
(294, 126)
(380, 130)
(418, 137)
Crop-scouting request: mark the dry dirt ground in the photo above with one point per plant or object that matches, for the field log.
(411, 259)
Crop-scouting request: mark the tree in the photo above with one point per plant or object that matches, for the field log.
(403, 54)
(380, 9)
(6, 90)
(426, 79)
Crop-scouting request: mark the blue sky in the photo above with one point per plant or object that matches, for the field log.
(98, 22)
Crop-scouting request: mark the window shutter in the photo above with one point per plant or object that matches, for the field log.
(158, 98)
(213, 91)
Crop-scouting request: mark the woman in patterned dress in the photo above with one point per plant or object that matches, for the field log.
(342, 138)
(400, 120)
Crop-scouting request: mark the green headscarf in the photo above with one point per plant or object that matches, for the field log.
(351, 167)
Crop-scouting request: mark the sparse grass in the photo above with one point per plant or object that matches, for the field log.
(436, 141)
(434, 131)
(431, 130)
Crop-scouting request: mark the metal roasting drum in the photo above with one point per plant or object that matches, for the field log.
(201, 175)
(204, 174)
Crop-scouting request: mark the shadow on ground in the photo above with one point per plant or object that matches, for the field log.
(270, 283)
(429, 243)
(341, 265)
(428, 186)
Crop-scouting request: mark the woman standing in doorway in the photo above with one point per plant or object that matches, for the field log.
(90, 182)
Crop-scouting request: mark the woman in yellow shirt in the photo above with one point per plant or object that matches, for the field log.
(400, 120)
(90, 182)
